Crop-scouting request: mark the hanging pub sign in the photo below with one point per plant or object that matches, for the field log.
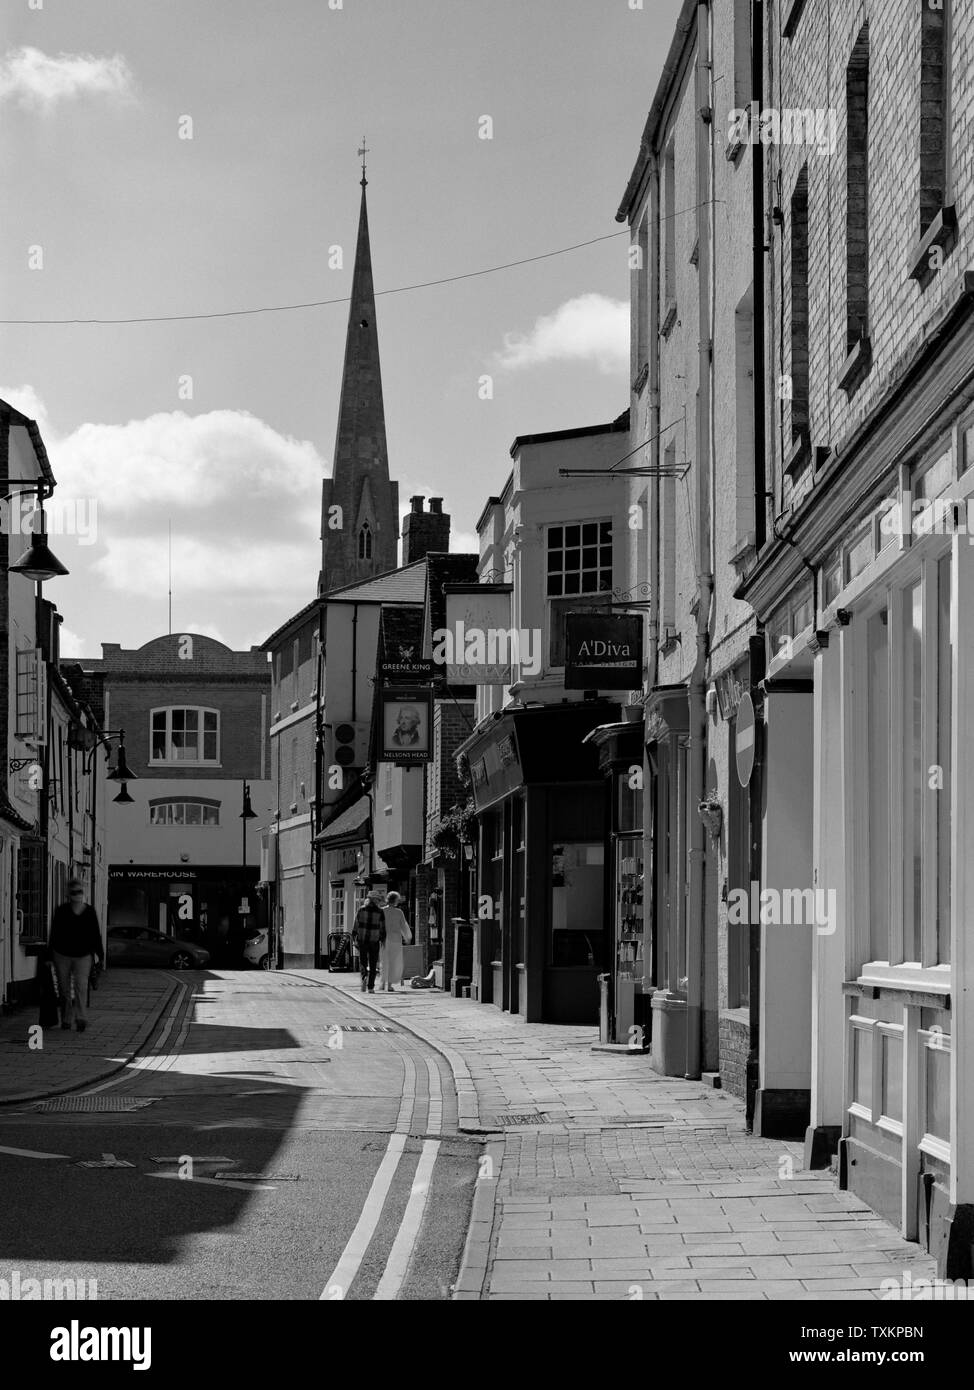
(478, 646)
(405, 663)
(406, 730)
(604, 651)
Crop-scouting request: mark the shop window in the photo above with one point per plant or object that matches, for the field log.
(185, 734)
(577, 870)
(128, 905)
(30, 888)
(908, 671)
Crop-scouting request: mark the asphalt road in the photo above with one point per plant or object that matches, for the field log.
(325, 1159)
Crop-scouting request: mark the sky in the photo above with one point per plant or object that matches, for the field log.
(163, 159)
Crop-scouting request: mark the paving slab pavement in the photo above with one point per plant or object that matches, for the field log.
(608, 1181)
(125, 1010)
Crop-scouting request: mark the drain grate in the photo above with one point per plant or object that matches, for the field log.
(116, 1104)
(524, 1117)
(364, 1027)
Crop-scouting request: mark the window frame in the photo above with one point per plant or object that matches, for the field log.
(922, 564)
(169, 761)
(168, 802)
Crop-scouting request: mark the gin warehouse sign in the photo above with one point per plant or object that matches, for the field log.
(604, 651)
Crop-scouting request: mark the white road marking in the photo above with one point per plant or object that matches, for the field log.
(107, 1161)
(340, 1281)
(217, 1182)
(405, 1242)
(30, 1153)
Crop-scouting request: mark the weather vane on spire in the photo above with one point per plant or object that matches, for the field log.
(363, 152)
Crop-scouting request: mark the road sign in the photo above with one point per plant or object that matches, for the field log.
(744, 739)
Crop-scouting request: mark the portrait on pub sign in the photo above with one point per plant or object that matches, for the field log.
(406, 728)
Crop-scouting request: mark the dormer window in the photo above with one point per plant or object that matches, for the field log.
(365, 542)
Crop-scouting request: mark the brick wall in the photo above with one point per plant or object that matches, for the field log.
(187, 670)
(735, 1035)
(813, 73)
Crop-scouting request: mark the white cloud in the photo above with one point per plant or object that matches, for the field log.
(590, 328)
(234, 567)
(465, 543)
(36, 79)
(180, 465)
(244, 502)
(28, 402)
(70, 644)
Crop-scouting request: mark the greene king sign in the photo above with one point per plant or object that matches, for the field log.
(604, 651)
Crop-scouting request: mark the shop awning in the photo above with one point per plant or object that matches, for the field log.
(350, 826)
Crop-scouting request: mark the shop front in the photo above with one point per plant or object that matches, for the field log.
(214, 906)
(542, 931)
(630, 969)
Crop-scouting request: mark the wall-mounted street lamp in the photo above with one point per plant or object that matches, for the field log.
(121, 772)
(248, 813)
(38, 561)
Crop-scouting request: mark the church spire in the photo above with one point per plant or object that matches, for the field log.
(359, 504)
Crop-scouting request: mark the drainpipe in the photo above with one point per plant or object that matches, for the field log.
(316, 850)
(654, 424)
(696, 899)
(649, 944)
(758, 254)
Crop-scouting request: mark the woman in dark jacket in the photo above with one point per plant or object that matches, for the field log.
(75, 941)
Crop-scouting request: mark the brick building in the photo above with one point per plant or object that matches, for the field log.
(865, 589)
(196, 717)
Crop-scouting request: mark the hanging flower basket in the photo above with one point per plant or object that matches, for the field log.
(455, 829)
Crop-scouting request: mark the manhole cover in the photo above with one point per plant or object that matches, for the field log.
(117, 1104)
(526, 1117)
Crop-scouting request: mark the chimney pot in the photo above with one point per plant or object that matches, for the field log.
(436, 506)
(416, 503)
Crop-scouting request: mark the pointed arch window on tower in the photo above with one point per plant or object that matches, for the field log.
(365, 542)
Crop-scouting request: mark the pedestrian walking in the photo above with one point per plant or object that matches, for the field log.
(368, 935)
(75, 942)
(397, 932)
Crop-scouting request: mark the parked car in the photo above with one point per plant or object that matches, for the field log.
(257, 948)
(142, 946)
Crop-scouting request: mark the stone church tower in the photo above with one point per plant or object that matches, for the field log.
(361, 538)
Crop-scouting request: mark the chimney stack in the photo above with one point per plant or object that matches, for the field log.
(425, 532)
